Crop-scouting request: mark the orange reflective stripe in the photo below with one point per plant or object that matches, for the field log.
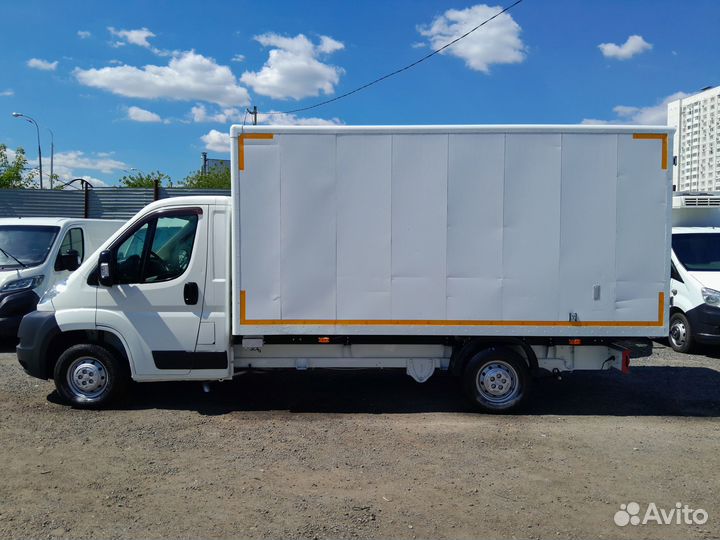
(664, 138)
(417, 322)
(241, 145)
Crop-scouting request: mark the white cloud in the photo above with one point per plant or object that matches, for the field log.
(284, 119)
(329, 45)
(7, 93)
(76, 159)
(216, 141)
(238, 58)
(498, 42)
(188, 76)
(633, 46)
(200, 113)
(45, 65)
(142, 115)
(83, 34)
(137, 37)
(95, 182)
(650, 115)
(66, 164)
(293, 69)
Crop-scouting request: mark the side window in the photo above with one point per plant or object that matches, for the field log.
(129, 256)
(160, 250)
(674, 274)
(72, 244)
(171, 249)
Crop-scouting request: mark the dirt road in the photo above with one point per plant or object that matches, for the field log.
(362, 455)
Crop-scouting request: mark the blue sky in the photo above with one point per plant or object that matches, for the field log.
(151, 85)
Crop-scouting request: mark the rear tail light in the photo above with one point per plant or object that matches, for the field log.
(626, 362)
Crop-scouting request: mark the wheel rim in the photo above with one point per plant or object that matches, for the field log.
(498, 382)
(87, 378)
(678, 334)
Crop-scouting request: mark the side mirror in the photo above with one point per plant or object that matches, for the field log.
(106, 267)
(70, 261)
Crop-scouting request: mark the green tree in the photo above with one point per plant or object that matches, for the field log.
(12, 174)
(142, 180)
(215, 178)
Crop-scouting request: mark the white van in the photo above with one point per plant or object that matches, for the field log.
(491, 252)
(36, 254)
(695, 271)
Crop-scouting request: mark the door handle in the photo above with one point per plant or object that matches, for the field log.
(191, 292)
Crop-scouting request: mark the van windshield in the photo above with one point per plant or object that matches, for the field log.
(29, 244)
(698, 252)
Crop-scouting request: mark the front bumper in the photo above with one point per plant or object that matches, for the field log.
(37, 330)
(705, 323)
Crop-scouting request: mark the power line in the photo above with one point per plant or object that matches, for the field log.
(387, 76)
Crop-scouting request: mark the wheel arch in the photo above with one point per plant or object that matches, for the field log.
(674, 310)
(105, 338)
(463, 351)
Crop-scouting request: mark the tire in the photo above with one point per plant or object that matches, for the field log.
(497, 380)
(90, 376)
(680, 335)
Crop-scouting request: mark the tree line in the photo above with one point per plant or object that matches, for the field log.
(14, 175)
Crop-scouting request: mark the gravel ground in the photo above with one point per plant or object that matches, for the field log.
(363, 455)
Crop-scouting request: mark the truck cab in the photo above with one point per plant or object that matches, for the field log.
(695, 271)
(38, 253)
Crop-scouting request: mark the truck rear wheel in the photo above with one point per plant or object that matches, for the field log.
(497, 380)
(89, 376)
(680, 335)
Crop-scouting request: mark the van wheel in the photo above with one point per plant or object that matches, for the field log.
(90, 376)
(680, 335)
(497, 380)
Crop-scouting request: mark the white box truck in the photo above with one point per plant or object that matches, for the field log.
(38, 253)
(492, 252)
(695, 271)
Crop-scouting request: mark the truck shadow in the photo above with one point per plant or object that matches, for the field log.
(7, 345)
(646, 391)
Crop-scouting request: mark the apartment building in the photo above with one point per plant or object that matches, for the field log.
(696, 144)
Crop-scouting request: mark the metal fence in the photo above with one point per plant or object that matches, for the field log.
(109, 203)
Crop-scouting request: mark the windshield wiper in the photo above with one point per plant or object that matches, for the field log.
(14, 257)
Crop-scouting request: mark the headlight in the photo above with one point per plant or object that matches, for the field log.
(52, 292)
(22, 284)
(711, 296)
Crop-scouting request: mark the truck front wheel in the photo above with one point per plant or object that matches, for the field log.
(680, 335)
(90, 376)
(497, 380)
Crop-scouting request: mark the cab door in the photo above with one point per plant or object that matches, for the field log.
(156, 301)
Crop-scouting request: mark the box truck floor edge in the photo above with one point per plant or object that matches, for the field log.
(482, 251)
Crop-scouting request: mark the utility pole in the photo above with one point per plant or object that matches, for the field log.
(37, 129)
(52, 155)
(254, 114)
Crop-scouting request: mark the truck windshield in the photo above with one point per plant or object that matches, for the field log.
(698, 252)
(30, 244)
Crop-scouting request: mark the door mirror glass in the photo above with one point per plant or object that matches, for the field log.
(106, 267)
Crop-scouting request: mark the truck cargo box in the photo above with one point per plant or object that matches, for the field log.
(451, 230)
